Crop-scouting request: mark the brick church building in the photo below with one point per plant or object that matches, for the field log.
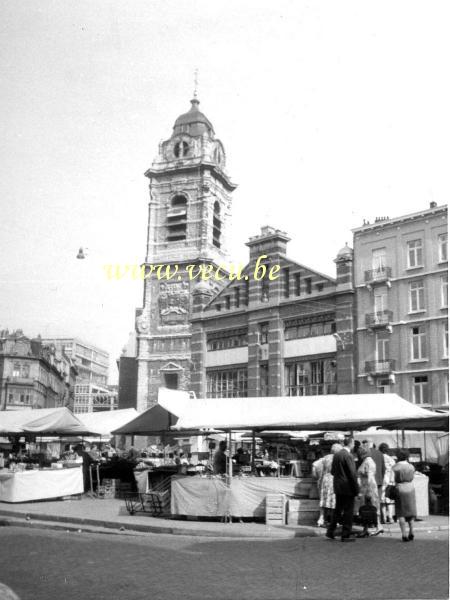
(289, 335)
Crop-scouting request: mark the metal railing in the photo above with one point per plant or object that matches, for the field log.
(380, 366)
(381, 273)
(379, 318)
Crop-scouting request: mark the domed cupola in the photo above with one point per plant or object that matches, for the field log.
(193, 122)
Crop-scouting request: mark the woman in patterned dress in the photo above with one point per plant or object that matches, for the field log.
(327, 501)
(387, 505)
(405, 503)
(367, 483)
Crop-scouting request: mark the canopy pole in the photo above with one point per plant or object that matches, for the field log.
(230, 459)
(403, 438)
(424, 446)
(253, 450)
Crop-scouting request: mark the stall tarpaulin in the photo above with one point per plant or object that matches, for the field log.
(329, 412)
(43, 420)
(158, 420)
(59, 422)
(104, 422)
(244, 497)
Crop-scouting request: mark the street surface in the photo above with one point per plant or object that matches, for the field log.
(44, 565)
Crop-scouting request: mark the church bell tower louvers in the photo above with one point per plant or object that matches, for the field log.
(188, 221)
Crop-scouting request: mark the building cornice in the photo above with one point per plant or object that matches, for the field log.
(430, 212)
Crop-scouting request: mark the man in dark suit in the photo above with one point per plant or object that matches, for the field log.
(346, 489)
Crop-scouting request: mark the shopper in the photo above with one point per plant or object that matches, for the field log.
(368, 488)
(327, 496)
(386, 504)
(405, 502)
(220, 459)
(345, 485)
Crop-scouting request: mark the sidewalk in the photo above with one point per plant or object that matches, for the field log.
(109, 515)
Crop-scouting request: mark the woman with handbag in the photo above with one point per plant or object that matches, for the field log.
(405, 502)
(368, 488)
(387, 504)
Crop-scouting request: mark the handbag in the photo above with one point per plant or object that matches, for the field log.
(391, 492)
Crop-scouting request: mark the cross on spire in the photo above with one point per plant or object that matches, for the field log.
(195, 82)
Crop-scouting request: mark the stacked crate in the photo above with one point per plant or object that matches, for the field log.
(107, 489)
(275, 509)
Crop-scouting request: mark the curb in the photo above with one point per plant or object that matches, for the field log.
(45, 521)
(74, 523)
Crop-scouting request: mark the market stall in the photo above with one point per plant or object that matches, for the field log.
(28, 476)
(349, 412)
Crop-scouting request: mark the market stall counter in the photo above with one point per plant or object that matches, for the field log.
(40, 484)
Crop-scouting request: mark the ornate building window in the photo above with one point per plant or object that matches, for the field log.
(418, 344)
(420, 389)
(227, 384)
(181, 149)
(416, 296)
(444, 291)
(224, 340)
(217, 225)
(310, 378)
(177, 219)
(415, 257)
(286, 283)
(442, 241)
(303, 328)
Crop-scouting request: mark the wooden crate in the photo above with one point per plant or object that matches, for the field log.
(275, 509)
(303, 511)
(107, 489)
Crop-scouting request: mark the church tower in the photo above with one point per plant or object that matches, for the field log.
(188, 221)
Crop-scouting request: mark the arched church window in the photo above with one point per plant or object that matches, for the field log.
(177, 219)
(181, 149)
(217, 225)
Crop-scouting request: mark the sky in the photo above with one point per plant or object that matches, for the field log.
(330, 113)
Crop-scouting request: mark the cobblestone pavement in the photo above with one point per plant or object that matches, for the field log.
(46, 565)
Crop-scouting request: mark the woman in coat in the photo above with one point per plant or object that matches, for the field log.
(368, 489)
(405, 502)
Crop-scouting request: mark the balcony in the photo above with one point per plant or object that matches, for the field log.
(380, 367)
(381, 274)
(380, 318)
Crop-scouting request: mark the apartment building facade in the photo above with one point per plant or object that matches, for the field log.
(33, 374)
(401, 282)
(92, 363)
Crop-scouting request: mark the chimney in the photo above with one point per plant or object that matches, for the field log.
(433, 204)
(271, 242)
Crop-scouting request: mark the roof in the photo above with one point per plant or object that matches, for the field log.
(193, 118)
(331, 412)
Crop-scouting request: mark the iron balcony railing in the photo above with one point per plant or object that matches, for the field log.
(381, 273)
(380, 318)
(380, 366)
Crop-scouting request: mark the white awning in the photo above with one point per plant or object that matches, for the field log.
(103, 422)
(330, 412)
